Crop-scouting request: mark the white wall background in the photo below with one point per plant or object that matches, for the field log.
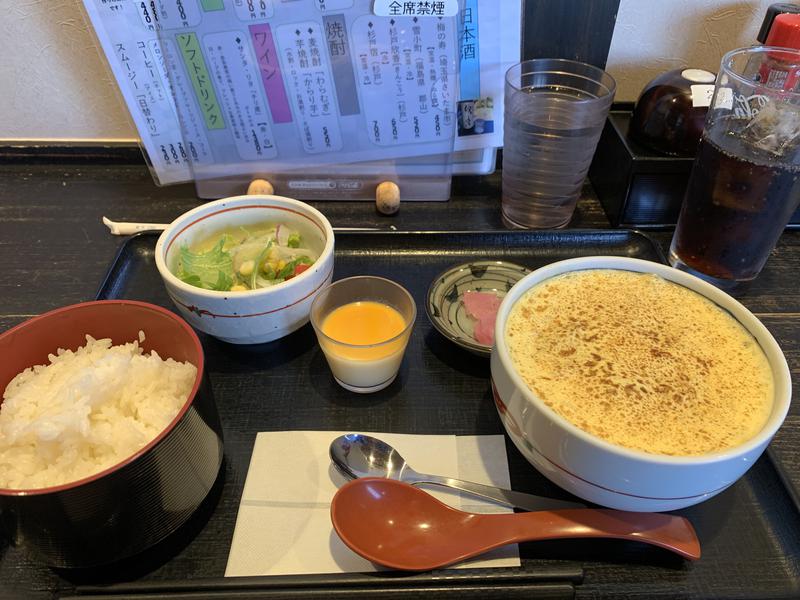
(653, 36)
(55, 85)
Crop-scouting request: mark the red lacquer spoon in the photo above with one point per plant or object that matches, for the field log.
(394, 524)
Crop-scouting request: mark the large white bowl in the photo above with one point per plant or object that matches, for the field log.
(605, 473)
(253, 316)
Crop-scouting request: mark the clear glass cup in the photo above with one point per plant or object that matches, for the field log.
(555, 110)
(357, 366)
(745, 181)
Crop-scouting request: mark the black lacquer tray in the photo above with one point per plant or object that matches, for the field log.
(749, 533)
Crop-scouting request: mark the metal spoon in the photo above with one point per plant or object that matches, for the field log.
(396, 525)
(356, 455)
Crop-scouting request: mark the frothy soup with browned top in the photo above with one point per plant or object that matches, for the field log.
(641, 362)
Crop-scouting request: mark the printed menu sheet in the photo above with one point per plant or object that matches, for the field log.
(225, 87)
(489, 34)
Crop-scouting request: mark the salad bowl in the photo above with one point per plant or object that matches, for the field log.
(221, 304)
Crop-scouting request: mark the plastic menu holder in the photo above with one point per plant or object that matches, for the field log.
(321, 99)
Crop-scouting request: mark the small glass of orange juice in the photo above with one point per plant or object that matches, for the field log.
(363, 325)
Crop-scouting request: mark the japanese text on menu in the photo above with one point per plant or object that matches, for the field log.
(252, 80)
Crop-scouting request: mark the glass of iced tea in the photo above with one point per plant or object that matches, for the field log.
(745, 182)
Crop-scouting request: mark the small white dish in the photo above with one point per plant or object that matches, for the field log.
(444, 305)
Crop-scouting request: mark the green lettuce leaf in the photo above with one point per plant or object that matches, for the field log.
(258, 262)
(212, 270)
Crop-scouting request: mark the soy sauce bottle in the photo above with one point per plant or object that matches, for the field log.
(671, 110)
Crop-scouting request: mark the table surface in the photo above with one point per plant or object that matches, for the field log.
(55, 251)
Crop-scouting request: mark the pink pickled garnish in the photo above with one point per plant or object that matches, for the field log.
(482, 306)
(484, 332)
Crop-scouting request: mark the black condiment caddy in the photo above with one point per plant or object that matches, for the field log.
(636, 186)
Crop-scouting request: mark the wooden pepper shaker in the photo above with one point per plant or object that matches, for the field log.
(387, 198)
(260, 186)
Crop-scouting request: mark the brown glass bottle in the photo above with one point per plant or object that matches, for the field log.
(669, 115)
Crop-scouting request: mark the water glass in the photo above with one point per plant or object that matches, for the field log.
(359, 366)
(555, 110)
(745, 181)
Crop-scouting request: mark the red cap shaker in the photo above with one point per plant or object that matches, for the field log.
(778, 72)
(785, 31)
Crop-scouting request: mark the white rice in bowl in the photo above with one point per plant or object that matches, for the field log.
(86, 411)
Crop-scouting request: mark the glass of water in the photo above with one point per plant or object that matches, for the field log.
(555, 110)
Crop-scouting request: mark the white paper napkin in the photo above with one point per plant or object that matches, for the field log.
(284, 526)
